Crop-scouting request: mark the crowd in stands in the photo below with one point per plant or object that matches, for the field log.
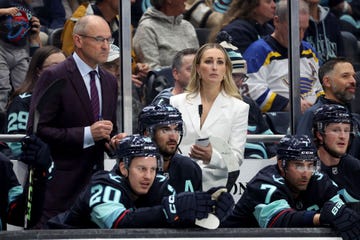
(178, 165)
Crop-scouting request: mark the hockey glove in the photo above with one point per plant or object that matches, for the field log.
(187, 206)
(224, 202)
(36, 153)
(342, 219)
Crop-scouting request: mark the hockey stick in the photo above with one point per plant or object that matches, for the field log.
(49, 93)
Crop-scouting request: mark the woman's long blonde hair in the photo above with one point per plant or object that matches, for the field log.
(228, 84)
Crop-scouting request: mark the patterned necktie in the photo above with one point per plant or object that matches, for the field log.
(94, 96)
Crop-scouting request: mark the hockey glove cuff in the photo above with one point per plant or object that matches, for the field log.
(187, 206)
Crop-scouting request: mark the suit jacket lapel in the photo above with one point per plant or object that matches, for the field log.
(79, 87)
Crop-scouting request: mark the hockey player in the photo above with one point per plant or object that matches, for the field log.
(333, 131)
(135, 196)
(13, 198)
(292, 193)
(165, 126)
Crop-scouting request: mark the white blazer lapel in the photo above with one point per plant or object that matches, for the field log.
(193, 112)
(216, 111)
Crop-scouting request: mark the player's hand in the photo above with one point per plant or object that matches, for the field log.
(35, 153)
(342, 219)
(187, 206)
(101, 130)
(224, 202)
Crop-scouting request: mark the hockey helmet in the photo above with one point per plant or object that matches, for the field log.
(296, 148)
(137, 146)
(330, 113)
(153, 116)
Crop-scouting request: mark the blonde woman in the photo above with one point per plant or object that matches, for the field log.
(212, 108)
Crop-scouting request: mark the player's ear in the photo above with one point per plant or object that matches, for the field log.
(282, 171)
(319, 137)
(123, 169)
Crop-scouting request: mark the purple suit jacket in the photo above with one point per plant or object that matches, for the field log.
(61, 125)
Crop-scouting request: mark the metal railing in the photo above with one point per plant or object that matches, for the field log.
(250, 137)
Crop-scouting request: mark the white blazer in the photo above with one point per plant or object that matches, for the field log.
(226, 125)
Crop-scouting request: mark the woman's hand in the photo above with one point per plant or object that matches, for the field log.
(201, 153)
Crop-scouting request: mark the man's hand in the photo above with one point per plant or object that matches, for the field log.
(187, 206)
(224, 202)
(35, 153)
(342, 219)
(304, 105)
(101, 130)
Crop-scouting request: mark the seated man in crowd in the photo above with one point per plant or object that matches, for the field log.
(133, 195)
(292, 193)
(268, 63)
(181, 70)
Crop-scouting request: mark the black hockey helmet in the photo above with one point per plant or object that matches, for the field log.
(330, 113)
(137, 146)
(296, 148)
(153, 116)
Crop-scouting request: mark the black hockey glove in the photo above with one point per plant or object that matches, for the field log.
(224, 202)
(344, 220)
(187, 206)
(36, 154)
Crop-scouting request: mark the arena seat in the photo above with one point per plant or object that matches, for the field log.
(55, 37)
(278, 122)
(156, 81)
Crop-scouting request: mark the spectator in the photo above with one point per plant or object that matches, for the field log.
(199, 13)
(165, 127)
(108, 9)
(292, 193)
(162, 32)
(348, 12)
(13, 197)
(19, 31)
(323, 32)
(268, 62)
(212, 107)
(51, 14)
(71, 120)
(256, 122)
(141, 198)
(246, 21)
(181, 70)
(337, 78)
(19, 102)
(334, 129)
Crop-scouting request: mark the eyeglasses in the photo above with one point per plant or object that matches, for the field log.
(240, 77)
(100, 39)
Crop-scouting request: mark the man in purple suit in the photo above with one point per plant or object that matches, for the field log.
(67, 123)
